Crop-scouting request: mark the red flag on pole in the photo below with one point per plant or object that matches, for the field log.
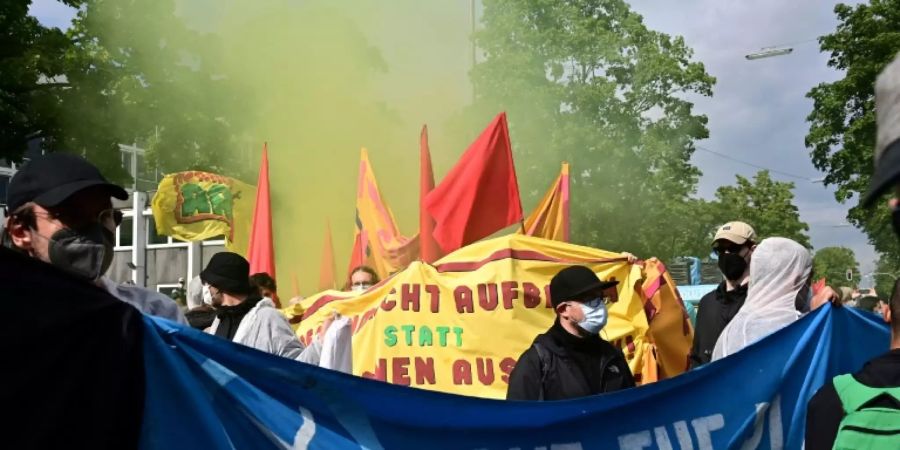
(326, 268)
(261, 253)
(429, 250)
(480, 195)
(358, 256)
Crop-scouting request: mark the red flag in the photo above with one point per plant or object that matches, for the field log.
(326, 269)
(429, 251)
(261, 253)
(480, 195)
(818, 285)
(359, 254)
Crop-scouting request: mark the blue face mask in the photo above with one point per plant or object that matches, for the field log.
(595, 315)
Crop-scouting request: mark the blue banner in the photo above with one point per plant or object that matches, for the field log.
(204, 392)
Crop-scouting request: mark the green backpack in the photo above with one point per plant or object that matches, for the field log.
(873, 427)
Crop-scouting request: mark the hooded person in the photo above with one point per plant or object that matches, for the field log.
(245, 317)
(779, 275)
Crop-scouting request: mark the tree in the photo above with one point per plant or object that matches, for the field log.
(587, 82)
(765, 204)
(832, 263)
(90, 89)
(842, 123)
(884, 277)
(32, 58)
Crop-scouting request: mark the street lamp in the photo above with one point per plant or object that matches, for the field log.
(769, 52)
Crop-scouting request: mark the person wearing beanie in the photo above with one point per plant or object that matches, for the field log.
(245, 317)
(571, 360)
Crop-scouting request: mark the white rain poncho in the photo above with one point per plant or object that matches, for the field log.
(265, 328)
(779, 269)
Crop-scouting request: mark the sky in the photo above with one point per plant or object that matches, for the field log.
(758, 110)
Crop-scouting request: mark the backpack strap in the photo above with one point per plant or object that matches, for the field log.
(544, 358)
(854, 394)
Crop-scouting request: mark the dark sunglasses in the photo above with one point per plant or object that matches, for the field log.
(727, 248)
(104, 217)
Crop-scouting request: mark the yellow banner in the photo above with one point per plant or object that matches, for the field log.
(193, 206)
(460, 325)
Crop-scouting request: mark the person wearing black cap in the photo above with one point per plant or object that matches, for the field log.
(831, 421)
(76, 371)
(243, 316)
(60, 212)
(571, 360)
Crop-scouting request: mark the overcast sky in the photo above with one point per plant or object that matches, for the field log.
(758, 111)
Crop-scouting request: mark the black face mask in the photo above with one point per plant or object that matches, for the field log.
(86, 252)
(732, 266)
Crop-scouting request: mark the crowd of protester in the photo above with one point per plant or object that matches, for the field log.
(61, 226)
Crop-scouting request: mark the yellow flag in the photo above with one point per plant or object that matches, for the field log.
(193, 206)
(550, 219)
(378, 240)
(670, 329)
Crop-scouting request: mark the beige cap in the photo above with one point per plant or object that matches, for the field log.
(737, 232)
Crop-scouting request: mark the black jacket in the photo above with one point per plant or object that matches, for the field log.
(825, 412)
(575, 367)
(73, 372)
(716, 309)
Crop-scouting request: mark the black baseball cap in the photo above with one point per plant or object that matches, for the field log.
(573, 282)
(50, 179)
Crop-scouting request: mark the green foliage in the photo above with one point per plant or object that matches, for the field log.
(32, 58)
(587, 82)
(96, 86)
(832, 263)
(885, 275)
(842, 123)
(765, 204)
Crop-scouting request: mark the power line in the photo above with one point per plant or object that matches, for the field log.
(792, 44)
(731, 158)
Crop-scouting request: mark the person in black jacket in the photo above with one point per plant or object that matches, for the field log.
(734, 243)
(571, 360)
(825, 410)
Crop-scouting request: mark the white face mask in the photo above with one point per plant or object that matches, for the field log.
(207, 296)
(595, 315)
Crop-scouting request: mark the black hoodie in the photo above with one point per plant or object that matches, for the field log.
(825, 411)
